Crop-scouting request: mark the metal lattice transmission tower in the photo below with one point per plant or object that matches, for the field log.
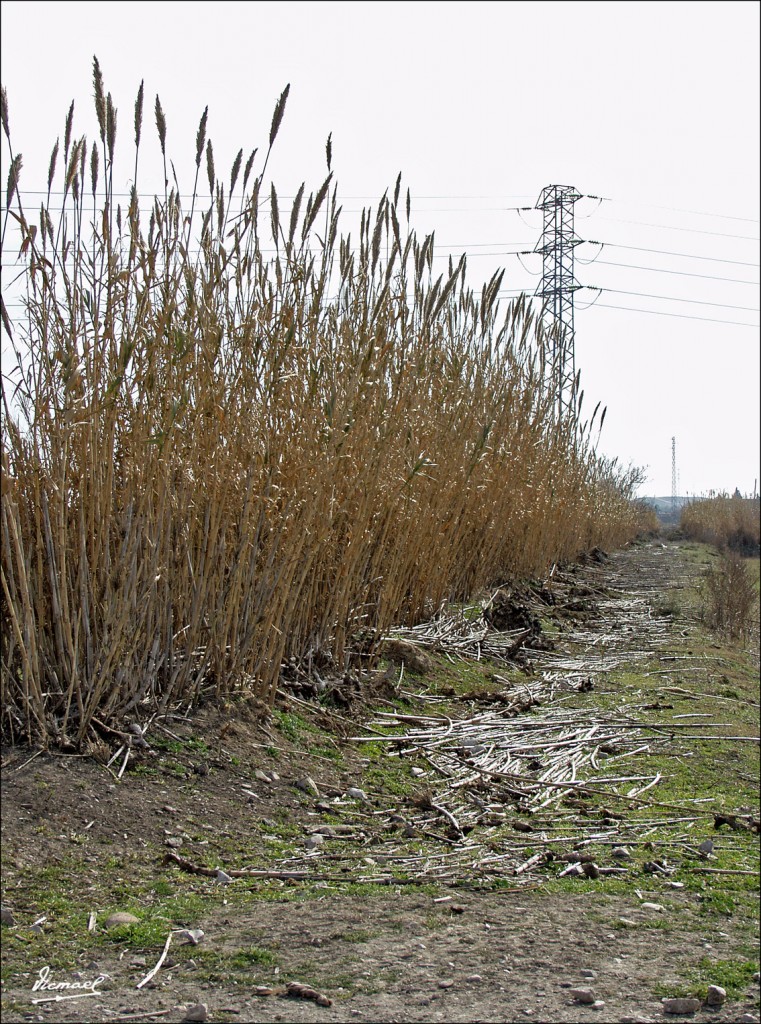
(557, 286)
(673, 475)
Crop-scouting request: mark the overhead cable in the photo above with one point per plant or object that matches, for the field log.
(681, 316)
(672, 298)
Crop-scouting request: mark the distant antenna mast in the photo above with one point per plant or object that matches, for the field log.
(673, 476)
(557, 287)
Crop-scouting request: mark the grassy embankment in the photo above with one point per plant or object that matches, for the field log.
(697, 673)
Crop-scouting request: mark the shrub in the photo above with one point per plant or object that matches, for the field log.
(730, 597)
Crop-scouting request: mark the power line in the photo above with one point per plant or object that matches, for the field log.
(682, 273)
(672, 298)
(667, 252)
(681, 316)
(673, 227)
(189, 195)
(469, 197)
(677, 209)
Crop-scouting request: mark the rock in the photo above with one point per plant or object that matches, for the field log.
(474, 978)
(197, 1012)
(582, 995)
(448, 983)
(706, 847)
(190, 936)
(307, 785)
(657, 867)
(222, 876)
(174, 842)
(262, 776)
(417, 772)
(652, 906)
(404, 653)
(356, 794)
(716, 995)
(627, 922)
(681, 1004)
(120, 918)
(6, 916)
(598, 1004)
(587, 974)
(757, 977)
(747, 1018)
(620, 853)
(313, 841)
(138, 733)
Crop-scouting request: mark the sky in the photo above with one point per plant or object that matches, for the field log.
(652, 109)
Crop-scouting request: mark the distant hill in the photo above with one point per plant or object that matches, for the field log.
(664, 507)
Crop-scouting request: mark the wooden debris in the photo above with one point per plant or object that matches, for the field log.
(295, 990)
(155, 970)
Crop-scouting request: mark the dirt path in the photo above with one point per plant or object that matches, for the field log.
(458, 950)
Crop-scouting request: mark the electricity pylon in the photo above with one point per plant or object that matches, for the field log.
(673, 476)
(556, 289)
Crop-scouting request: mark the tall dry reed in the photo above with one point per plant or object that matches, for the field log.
(724, 521)
(214, 460)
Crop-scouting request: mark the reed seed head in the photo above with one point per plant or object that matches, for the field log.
(100, 99)
(139, 115)
(4, 112)
(14, 173)
(277, 116)
(161, 126)
(201, 136)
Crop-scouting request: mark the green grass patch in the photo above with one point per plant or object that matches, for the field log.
(734, 976)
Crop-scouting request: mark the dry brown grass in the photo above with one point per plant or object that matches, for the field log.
(733, 523)
(214, 461)
(730, 597)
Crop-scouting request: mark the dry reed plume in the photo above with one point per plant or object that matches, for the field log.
(214, 460)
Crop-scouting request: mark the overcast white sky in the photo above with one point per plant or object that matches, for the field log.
(654, 106)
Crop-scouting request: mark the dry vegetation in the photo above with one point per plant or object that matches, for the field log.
(214, 460)
(730, 595)
(725, 522)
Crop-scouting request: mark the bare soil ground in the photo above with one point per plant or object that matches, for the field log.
(453, 945)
